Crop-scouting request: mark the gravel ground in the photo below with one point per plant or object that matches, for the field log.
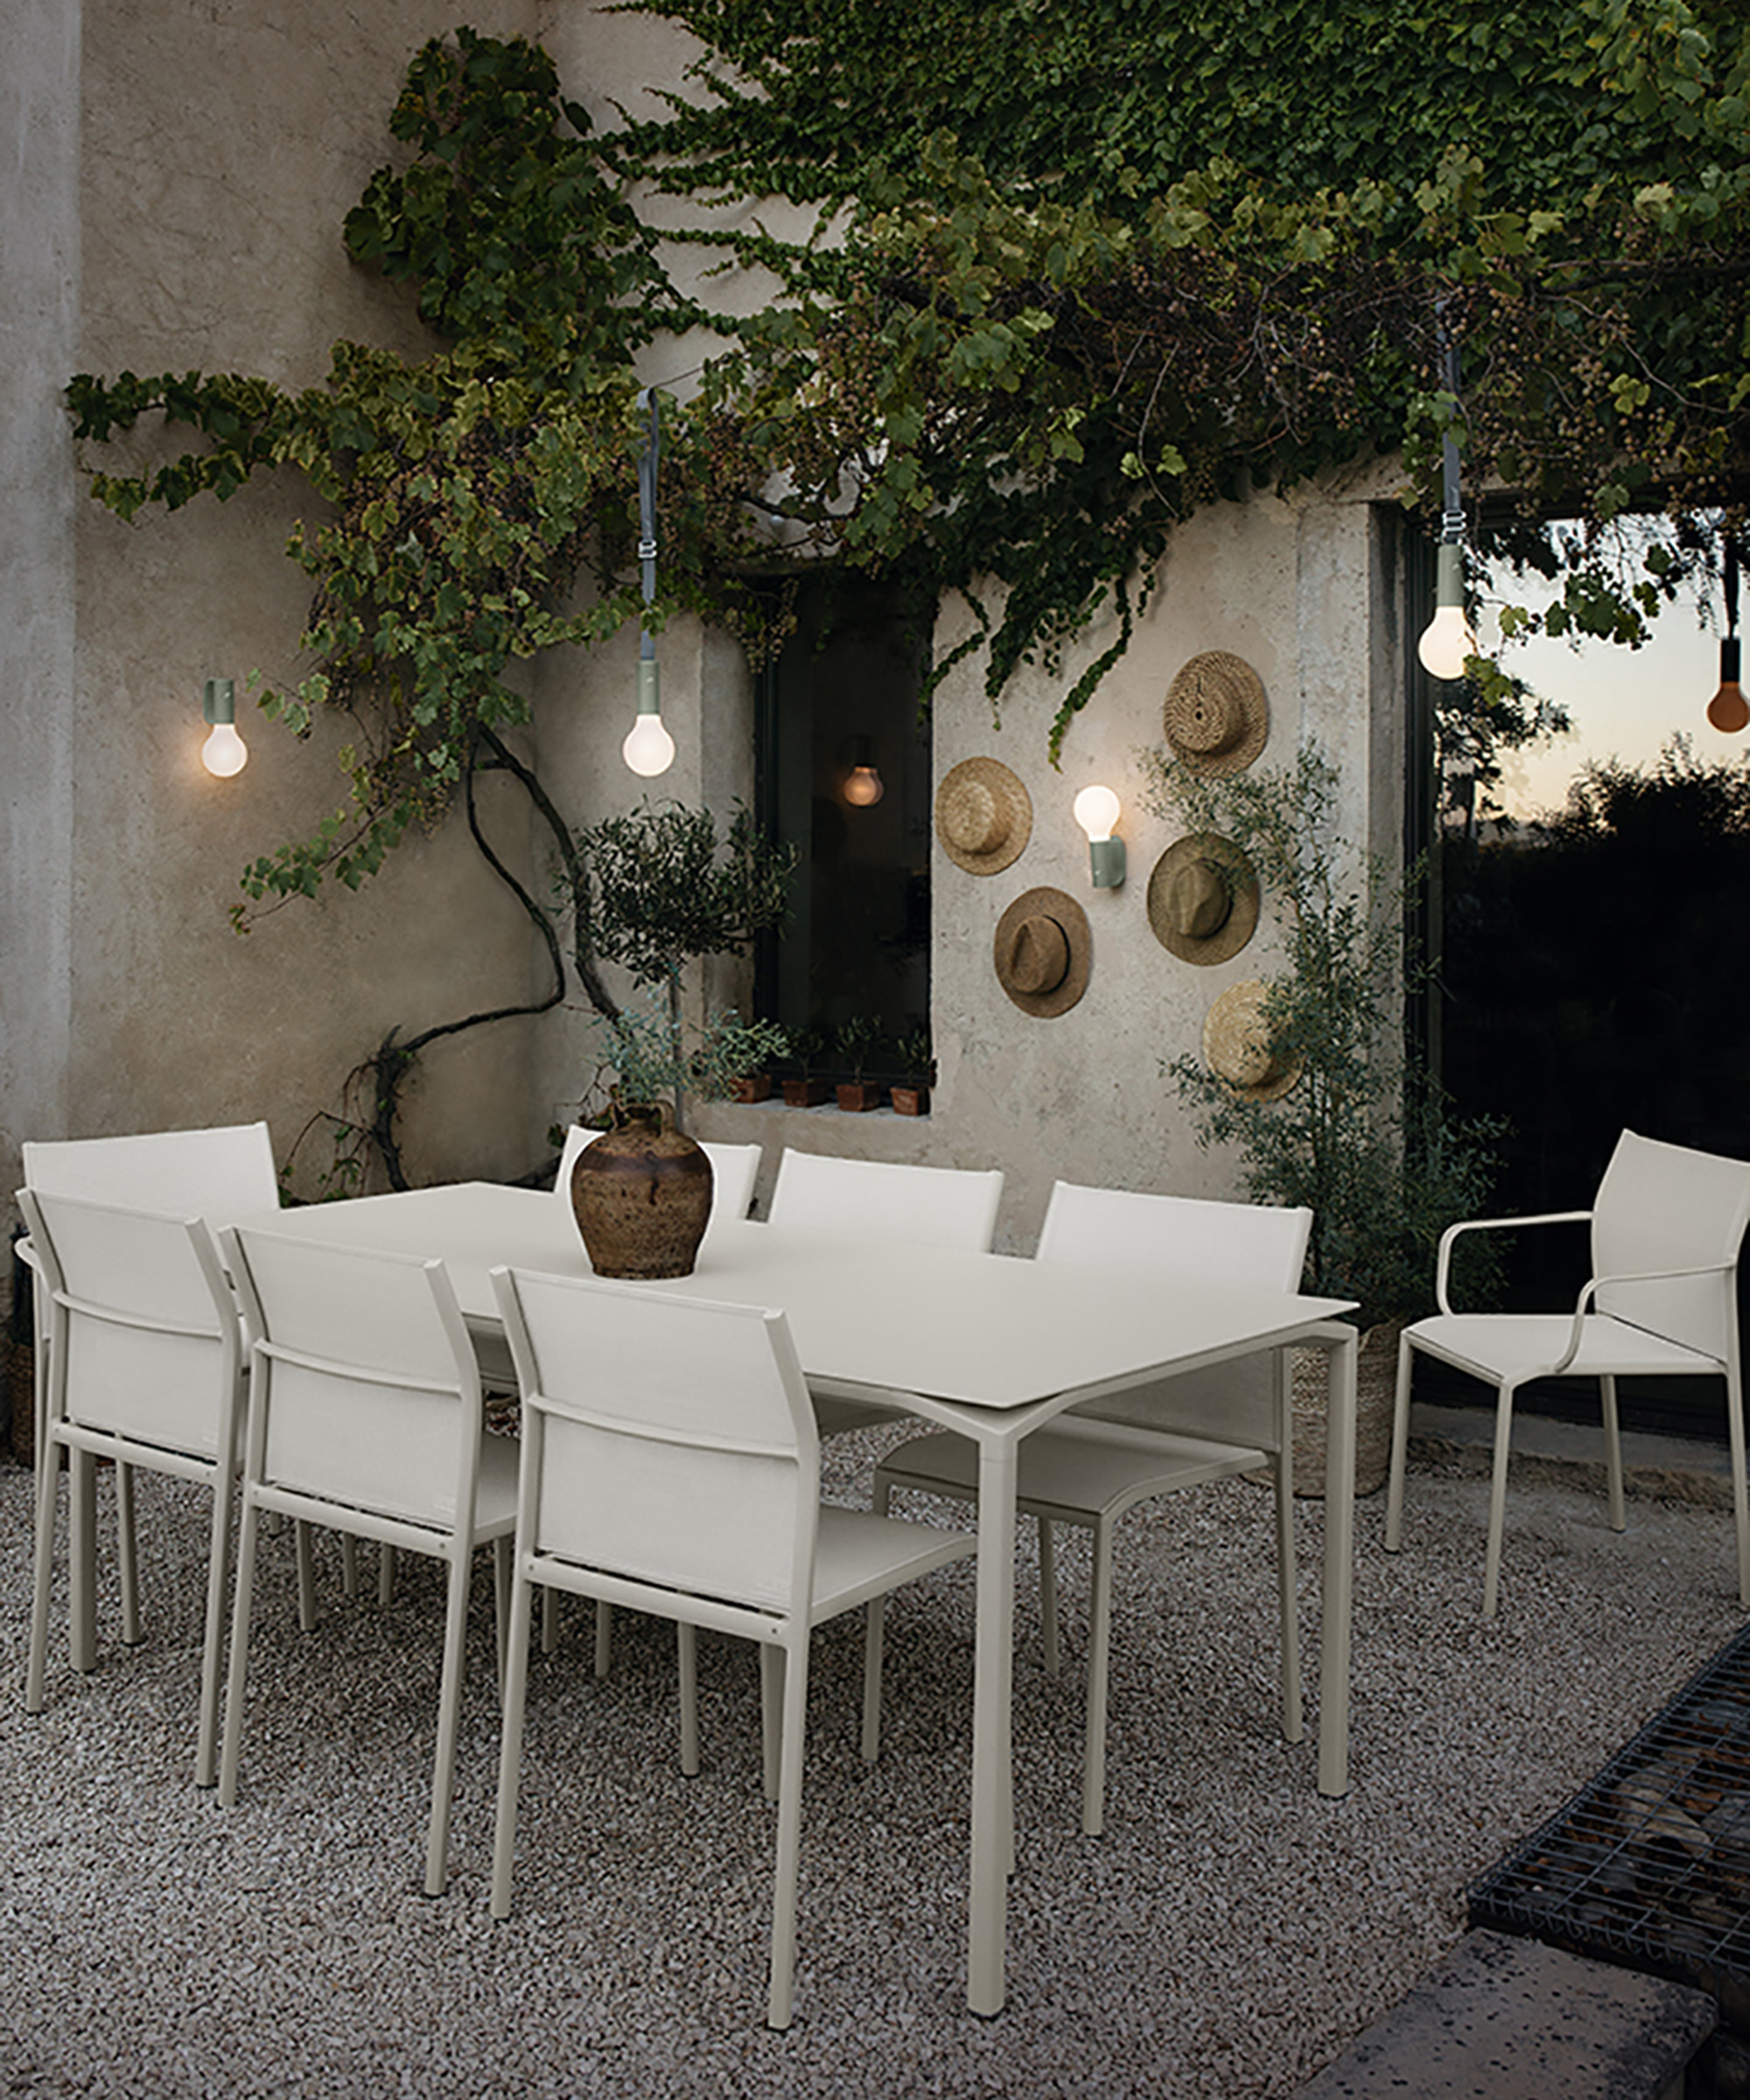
(1226, 1937)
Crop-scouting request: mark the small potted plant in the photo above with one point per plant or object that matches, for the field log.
(911, 1094)
(803, 1090)
(855, 1041)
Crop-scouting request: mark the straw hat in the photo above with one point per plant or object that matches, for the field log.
(984, 816)
(1203, 898)
(1216, 716)
(1041, 952)
(1236, 1044)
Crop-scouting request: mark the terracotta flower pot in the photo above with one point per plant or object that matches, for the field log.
(804, 1092)
(911, 1101)
(856, 1094)
(641, 1195)
(754, 1086)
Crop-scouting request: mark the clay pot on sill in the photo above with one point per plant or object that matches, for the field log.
(856, 1094)
(910, 1101)
(804, 1092)
(642, 1195)
(754, 1086)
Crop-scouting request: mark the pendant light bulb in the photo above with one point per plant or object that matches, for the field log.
(224, 753)
(1447, 639)
(648, 748)
(1728, 711)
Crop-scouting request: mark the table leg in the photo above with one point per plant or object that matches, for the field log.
(1340, 1539)
(992, 1702)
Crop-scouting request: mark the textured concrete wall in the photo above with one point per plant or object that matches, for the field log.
(219, 149)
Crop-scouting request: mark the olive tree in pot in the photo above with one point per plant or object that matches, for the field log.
(663, 894)
(1362, 1136)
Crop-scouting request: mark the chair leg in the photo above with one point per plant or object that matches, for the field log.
(385, 1577)
(81, 1528)
(502, 1548)
(687, 1651)
(217, 1581)
(874, 1643)
(1099, 1668)
(1740, 1491)
(48, 1475)
(1293, 1724)
(240, 1652)
(349, 1567)
(449, 1717)
(510, 1740)
(771, 1707)
(1047, 1560)
(1497, 1500)
(784, 1878)
(604, 1637)
(126, 1556)
(1400, 1446)
(1612, 1455)
(550, 1618)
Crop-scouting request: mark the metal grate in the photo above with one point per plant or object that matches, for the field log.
(1648, 1865)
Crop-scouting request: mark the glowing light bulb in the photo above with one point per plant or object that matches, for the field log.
(1447, 638)
(648, 748)
(224, 753)
(1096, 811)
(1728, 709)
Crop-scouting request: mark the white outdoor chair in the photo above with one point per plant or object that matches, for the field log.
(882, 1199)
(734, 1170)
(144, 1367)
(1667, 1226)
(1097, 1461)
(365, 1417)
(670, 1463)
(216, 1174)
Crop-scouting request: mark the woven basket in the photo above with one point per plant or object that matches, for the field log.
(1375, 1388)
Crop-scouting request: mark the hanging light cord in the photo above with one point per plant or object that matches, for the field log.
(646, 518)
(1730, 581)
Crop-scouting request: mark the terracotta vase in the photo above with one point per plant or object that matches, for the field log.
(911, 1101)
(641, 1195)
(854, 1096)
(804, 1092)
(754, 1086)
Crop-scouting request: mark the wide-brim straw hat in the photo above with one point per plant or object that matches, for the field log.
(984, 816)
(1041, 951)
(1236, 1045)
(1216, 717)
(1203, 898)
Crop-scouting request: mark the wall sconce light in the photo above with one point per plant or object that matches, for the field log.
(648, 748)
(1448, 638)
(864, 786)
(224, 753)
(1728, 711)
(1096, 811)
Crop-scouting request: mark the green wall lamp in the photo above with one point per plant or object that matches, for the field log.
(224, 753)
(648, 748)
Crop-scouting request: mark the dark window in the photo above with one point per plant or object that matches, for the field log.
(838, 714)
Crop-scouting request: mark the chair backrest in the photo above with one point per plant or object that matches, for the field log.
(880, 1199)
(1189, 1239)
(144, 1336)
(734, 1170)
(1663, 1206)
(364, 1390)
(217, 1174)
(671, 1440)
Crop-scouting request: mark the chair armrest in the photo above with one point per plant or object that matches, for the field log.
(1590, 1289)
(1447, 1238)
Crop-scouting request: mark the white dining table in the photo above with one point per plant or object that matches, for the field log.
(984, 1344)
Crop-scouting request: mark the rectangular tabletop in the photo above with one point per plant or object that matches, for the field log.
(991, 1347)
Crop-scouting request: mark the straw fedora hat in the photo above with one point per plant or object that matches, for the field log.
(1203, 898)
(1041, 952)
(984, 816)
(1236, 1044)
(1216, 717)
